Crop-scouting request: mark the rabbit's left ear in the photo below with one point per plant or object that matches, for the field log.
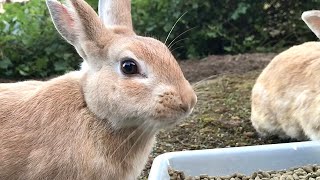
(80, 25)
(116, 13)
(76, 22)
(312, 19)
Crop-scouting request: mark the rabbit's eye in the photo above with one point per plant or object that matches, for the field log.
(129, 66)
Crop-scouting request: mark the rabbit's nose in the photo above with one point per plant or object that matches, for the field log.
(188, 98)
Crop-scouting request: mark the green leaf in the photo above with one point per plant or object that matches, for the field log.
(5, 63)
(241, 9)
(60, 66)
(41, 63)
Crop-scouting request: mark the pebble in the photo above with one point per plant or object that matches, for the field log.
(265, 174)
(310, 172)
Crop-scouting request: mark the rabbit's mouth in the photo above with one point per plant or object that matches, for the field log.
(170, 116)
(170, 110)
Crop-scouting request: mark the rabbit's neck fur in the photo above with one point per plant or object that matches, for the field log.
(48, 132)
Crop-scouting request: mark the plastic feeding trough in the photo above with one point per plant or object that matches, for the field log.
(244, 160)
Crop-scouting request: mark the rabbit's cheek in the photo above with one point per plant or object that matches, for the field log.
(135, 92)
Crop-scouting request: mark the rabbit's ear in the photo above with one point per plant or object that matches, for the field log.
(63, 20)
(76, 22)
(312, 19)
(116, 13)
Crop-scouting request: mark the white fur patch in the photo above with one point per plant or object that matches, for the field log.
(105, 12)
(259, 89)
(84, 67)
(160, 89)
(301, 98)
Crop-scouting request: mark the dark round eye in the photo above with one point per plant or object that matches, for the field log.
(129, 66)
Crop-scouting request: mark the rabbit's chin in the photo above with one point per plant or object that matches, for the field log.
(151, 123)
(170, 122)
(167, 124)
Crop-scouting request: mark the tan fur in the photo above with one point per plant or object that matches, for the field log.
(53, 135)
(284, 98)
(96, 123)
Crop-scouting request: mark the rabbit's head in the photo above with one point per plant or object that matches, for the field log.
(312, 19)
(128, 79)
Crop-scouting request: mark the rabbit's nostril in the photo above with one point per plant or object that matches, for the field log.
(184, 107)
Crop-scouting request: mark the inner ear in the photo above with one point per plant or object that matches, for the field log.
(63, 20)
(68, 17)
(312, 19)
(90, 24)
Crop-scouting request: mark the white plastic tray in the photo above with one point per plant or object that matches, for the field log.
(245, 160)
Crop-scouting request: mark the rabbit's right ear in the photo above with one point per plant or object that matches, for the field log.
(116, 13)
(312, 19)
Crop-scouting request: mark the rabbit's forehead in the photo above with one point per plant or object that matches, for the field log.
(147, 49)
(153, 52)
(156, 55)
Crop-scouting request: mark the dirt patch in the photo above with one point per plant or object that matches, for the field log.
(196, 70)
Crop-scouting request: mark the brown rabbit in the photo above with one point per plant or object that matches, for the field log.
(99, 122)
(285, 98)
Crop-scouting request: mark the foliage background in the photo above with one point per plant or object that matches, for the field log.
(31, 47)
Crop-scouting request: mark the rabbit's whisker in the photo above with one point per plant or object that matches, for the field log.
(134, 144)
(174, 25)
(194, 85)
(177, 42)
(204, 92)
(128, 138)
(176, 48)
(170, 44)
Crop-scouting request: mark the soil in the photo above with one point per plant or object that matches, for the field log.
(222, 115)
(196, 70)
